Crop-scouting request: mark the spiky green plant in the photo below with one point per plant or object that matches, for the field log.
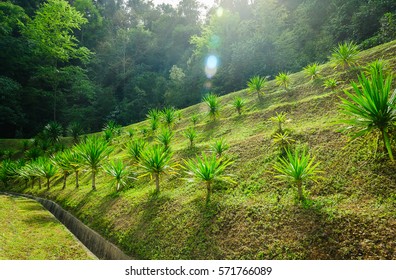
(190, 133)
(31, 172)
(208, 169)
(345, 54)
(119, 171)
(165, 137)
(371, 107)
(154, 124)
(282, 140)
(130, 132)
(169, 116)
(256, 85)
(6, 171)
(312, 71)
(154, 161)
(33, 153)
(75, 130)
(283, 80)
(194, 118)
(213, 102)
(114, 127)
(238, 104)
(296, 168)
(53, 131)
(219, 147)
(279, 118)
(94, 151)
(377, 66)
(135, 148)
(61, 161)
(46, 169)
(108, 135)
(74, 162)
(330, 83)
(153, 114)
(144, 131)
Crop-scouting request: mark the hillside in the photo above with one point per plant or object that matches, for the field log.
(350, 213)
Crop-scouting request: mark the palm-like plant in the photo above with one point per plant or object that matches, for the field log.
(378, 65)
(165, 137)
(330, 83)
(93, 152)
(74, 162)
(213, 103)
(190, 134)
(256, 85)
(169, 116)
(46, 169)
(208, 169)
(135, 148)
(283, 79)
(296, 168)
(371, 107)
(279, 118)
(130, 132)
(118, 171)
(194, 118)
(6, 171)
(53, 131)
(154, 161)
(312, 71)
(62, 162)
(219, 147)
(238, 104)
(345, 54)
(282, 140)
(153, 114)
(75, 130)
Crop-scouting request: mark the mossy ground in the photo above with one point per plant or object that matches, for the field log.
(29, 232)
(349, 214)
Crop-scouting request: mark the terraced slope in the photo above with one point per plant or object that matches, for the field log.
(351, 213)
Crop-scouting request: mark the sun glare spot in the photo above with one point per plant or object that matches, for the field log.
(211, 66)
(219, 11)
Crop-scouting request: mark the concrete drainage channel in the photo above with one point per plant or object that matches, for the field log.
(99, 246)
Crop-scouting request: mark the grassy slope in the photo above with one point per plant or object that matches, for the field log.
(351, 213)
(29, 232)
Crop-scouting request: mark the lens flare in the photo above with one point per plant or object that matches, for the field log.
(219, 11)
(211, 66)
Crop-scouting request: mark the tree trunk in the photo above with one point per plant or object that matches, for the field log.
(77, 180)
(300, 190)
(118, 186)
(48, 183)
(208, 191)
(385, 138)
(32, 183)
(64, 181)
(39, 179)
(157, 186)
(93, 181)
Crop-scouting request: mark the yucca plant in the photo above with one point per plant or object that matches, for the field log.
(371, 107)
(282, 140)
(46, 169)
(279, 118)
(194, 118)
(31, 171)
(238, 104)
(296, 168)
(62, 162)
(345, 54)
(190, 133)
(165, 137)
(312, 71)
(33, 153)
(330, 83)
(75, 130)
(113, 127)
(283, 79)
(6, 171)
(169, 116)
(377, 66)
(94, 151)
(119, 171)
(74, 163)
(24, 174)
(135, 148)
(130, 132)
(154, 161)
(53, 131)
(208, 169)
(219, 147)
(153, 114)
(144, 131)
(256, 85)
(213, 102)
(154, 124)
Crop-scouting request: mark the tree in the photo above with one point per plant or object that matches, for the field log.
(46, 169)
(219, 147)
(135, 148)
(296, 168)
(154, 161)
(345, 54)
(61, 160)
(94, 151)
(371, 107)
(256, 85)
(279, 118)
(165, 137)
(190, 133)
(283, 79)
(208, 169)
(169, 116)
(238, 104)
(312, 71)
(212, 101)
(118, 171)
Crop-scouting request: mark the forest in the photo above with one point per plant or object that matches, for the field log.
(88, 62)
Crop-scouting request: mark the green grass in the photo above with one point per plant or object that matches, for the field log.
(350, 213)
(29, 232)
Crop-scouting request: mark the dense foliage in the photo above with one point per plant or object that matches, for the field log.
(114, 60)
